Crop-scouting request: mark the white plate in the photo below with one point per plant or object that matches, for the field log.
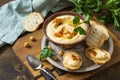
(87, 65)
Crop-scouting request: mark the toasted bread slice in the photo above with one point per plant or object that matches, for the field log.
(33, 21)
(97, 56)
(72, 60)
(102, 26)
(97, 36)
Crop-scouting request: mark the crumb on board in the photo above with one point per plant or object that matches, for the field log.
(61, 53)
(54, 58)
(32, 38)
(26, 44)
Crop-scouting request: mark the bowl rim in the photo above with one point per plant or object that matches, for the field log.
(53, 16)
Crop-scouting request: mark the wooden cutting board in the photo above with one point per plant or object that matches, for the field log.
(35, 49)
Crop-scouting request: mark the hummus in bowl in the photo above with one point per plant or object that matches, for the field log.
(60, 29)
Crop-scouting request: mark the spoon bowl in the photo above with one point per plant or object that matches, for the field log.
(34, 62)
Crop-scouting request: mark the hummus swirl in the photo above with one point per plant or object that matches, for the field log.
(61, 29)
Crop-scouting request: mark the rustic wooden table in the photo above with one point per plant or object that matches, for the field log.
(12, 68)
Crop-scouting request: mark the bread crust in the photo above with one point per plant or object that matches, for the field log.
(33, 21)
(72, 60)
(98, 34)
(97, 55)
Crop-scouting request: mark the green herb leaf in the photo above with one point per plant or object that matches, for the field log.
(116, 24)
(87, 19)
(98, 6)
(76, 20)
(114, 7)
(88, 8)
(80, 30)
(102, 18)
(46, 52)
(79, 11)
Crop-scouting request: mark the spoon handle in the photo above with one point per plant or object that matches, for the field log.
(48, 73)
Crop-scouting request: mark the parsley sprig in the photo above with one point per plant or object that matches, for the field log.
(46, 52)
(114, 7)
(88, 8)
(79, 29)
(76, 20)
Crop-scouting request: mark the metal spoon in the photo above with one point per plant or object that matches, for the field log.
(37, 65)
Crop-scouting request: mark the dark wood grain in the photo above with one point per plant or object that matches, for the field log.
(11, 67)
(111, 73)
(2, 2)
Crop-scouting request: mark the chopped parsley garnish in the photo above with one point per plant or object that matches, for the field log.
(90, 8)
(79, 29)
(76, 20)
(46, 52)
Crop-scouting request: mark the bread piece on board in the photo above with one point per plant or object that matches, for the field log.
(98, 34)
(33, 21)
(97, 55)
(72, 60)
